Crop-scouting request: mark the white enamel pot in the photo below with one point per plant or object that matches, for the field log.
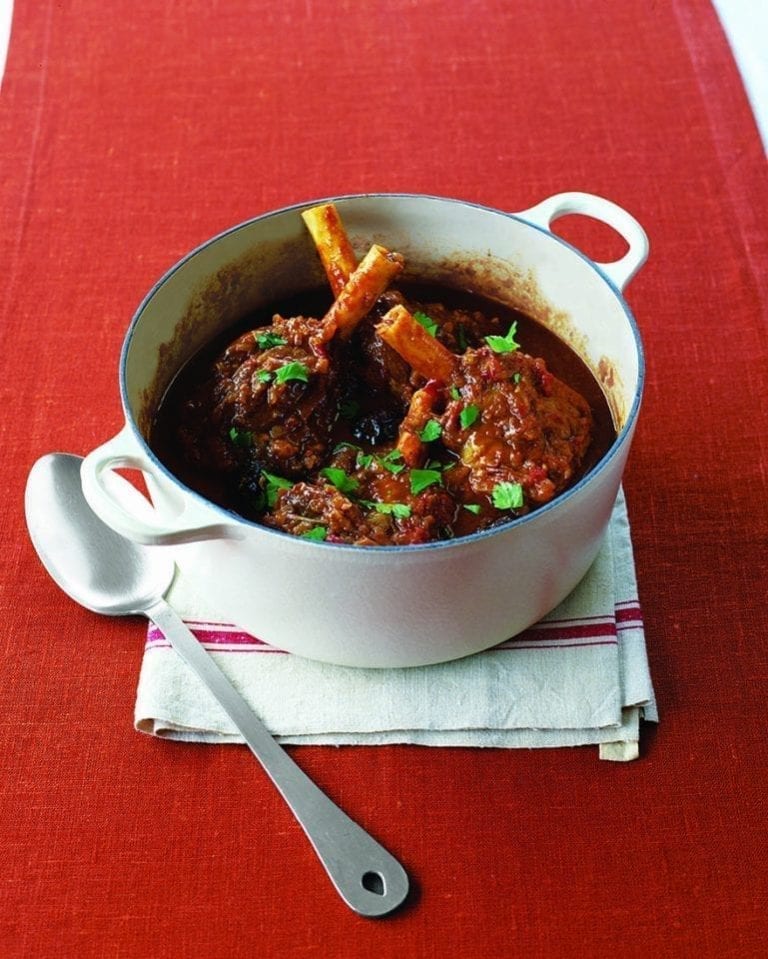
(382, 606)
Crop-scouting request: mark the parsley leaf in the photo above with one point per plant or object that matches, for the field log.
(274, 484)
(340, 479)
(267, 340)
(426, 321)
(344, 445)
(432, 431)
(398, 510)
(240, 437)
(468, 416)
(507, 495)
(317, 533)
(393, 461)
(504, 344)
(421, 479)
(292, 371)
(453, 392)
(472, 508)
(264, 376)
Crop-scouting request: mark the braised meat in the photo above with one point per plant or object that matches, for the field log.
(396, 416)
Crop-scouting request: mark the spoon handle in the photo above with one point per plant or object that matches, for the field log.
(368, 878)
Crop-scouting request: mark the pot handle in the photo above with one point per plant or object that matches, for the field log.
(191, 523)
(620, 272)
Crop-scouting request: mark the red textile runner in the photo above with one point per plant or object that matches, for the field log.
(129, 133)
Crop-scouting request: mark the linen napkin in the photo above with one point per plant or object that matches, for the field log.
(578, 677)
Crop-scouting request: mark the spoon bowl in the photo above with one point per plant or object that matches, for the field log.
(108, 574)
(102, 571)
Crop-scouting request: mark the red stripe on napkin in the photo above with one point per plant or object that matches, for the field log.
(582, 632)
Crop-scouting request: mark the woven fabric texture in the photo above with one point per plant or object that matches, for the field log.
(129, 134)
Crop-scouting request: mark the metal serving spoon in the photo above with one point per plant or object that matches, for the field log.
(109, 574)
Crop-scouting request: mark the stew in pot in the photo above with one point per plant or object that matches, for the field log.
(382, 412)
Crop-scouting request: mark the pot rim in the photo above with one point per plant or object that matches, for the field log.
(230, 517)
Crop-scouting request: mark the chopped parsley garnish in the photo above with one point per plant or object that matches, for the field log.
(504, 344)
(340, 479)
(507, 496)
(317, 533)
(421, 479)
(344, 446)
(426, 321)
(468, 416)
(264, 376)
(274, 484)
(432, 431)
(241, 437)
(398, 510)
(516, 377)
(454, 394)
(292, 371)
(393, 461)
(363, 460)
(266, 341)
(472, 508)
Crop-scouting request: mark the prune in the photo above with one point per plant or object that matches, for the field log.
(380, 426)
(250, 486)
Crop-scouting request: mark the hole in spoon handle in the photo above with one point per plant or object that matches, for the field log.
(374, 882)
(367, 877)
